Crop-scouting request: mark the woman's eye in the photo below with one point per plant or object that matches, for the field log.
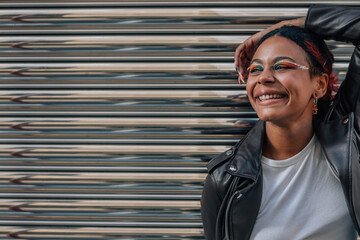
(255, 68)
(283, 66)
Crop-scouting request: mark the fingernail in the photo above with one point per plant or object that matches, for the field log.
(242, 78)
(236, 69)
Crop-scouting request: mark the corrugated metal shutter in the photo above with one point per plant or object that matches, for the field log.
(110, 111)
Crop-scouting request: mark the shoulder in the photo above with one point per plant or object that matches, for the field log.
(221, 158)
(219, 179)
(243, 152)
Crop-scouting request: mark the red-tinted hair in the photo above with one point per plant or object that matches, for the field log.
(326, 65)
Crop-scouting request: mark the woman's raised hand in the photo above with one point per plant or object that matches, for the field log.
(244, 53)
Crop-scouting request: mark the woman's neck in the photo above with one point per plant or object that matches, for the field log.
(282, 142)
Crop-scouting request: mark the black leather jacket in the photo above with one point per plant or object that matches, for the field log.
(233, 188)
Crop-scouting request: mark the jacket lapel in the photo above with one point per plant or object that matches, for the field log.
(246, 161)
(335, 139)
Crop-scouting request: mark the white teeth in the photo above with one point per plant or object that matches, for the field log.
(269, 96)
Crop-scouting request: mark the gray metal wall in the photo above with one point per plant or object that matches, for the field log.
(110, 111)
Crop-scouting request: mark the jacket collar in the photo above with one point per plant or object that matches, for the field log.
(246, 161)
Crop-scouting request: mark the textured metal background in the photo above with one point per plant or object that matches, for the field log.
(110, 111)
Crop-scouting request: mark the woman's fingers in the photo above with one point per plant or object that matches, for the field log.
(237, 55)
(243, 55)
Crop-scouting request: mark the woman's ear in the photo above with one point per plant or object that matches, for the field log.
(321, 84)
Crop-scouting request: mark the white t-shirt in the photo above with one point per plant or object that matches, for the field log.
(302, 199)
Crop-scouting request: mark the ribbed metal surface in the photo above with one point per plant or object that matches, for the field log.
(110, 111)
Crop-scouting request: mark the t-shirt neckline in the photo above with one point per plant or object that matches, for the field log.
(292, 160)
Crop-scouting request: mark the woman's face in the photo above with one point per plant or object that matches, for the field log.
(279, 85)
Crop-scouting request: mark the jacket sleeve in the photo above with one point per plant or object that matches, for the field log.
(341, 24)
(210, 205)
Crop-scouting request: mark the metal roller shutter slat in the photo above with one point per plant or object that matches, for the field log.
(112, 109)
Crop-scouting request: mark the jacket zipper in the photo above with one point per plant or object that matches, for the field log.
(227, 230)
(351, 203)
(350, 175)
(232, 188)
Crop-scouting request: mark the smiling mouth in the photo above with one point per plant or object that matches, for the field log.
(270, 96)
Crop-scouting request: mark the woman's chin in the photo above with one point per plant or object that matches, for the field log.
(269, 116)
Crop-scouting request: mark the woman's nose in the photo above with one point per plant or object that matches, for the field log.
(267, 76)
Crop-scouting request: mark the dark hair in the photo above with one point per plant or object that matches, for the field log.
(317, 52)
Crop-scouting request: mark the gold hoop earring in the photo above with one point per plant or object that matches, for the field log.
(315, 107)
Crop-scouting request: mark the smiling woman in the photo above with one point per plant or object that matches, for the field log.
(296, 174)
(295, 96)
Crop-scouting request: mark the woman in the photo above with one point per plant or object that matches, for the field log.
(296, 174)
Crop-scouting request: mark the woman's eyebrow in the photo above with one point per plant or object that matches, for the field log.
(283, 58)
(255, 60)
